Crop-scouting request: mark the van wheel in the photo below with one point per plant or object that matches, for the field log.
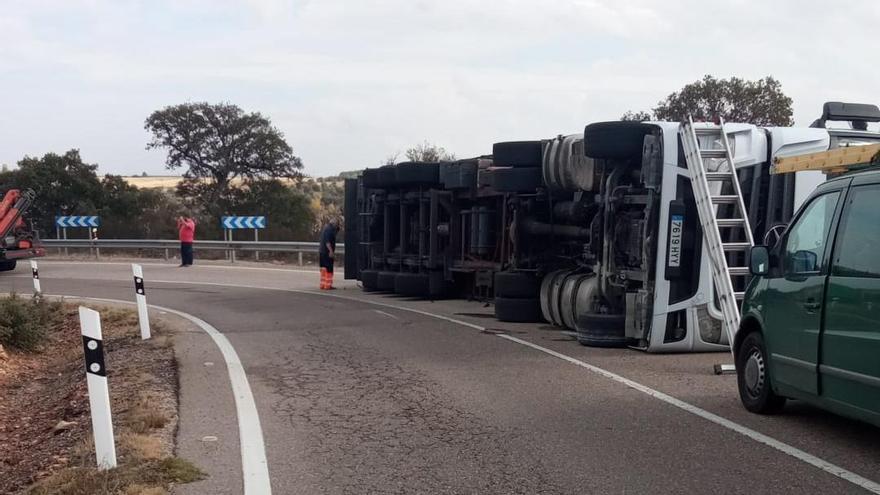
(753, 377)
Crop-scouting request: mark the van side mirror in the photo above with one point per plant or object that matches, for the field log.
(759, 260)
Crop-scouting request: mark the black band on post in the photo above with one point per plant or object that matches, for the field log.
(94, 353)
(139, 286)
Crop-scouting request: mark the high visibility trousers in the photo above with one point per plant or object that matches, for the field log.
(326, 279)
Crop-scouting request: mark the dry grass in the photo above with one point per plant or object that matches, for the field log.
(147, 476)
(144, 415)
(145, 490)
(142, 418)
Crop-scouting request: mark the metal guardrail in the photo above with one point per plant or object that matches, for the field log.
(168, 244)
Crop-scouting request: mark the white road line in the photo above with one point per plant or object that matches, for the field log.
(386, 314)
(726, 423)
(168, 265)
(783, 447)
(255, 468)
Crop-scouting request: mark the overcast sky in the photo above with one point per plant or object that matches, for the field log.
(350, 82)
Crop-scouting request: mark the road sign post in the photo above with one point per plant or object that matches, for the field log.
(99, 393)
(230, 223)
(91, 222)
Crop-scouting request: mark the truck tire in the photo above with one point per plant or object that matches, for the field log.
(516, 179)
(369, 280)
(450, 175)
(438, 287)
(517, 154)
(414, 173)
(8, 265)
(601, 330)
(615, 141)
(385, 281)
(753, 377)
(370, 178)
(516, 284)
(411, 284)
(387, 177)
(518, 310)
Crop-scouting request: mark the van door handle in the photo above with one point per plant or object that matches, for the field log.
(812, 305)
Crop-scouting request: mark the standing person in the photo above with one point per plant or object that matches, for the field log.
(186, 227)
(326, 254)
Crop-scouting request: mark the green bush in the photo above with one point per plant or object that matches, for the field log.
(24, 323)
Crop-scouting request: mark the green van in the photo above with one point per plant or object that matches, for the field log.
(811, 315)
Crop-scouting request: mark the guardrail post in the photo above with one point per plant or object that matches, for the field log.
(99, 393)
(166, 254)
(256, 239)
(300, 258)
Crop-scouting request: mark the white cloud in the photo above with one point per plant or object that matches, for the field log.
(350, 82)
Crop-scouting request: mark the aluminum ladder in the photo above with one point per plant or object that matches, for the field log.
(714, 216)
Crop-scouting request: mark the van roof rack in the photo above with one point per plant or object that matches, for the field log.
(831, 162)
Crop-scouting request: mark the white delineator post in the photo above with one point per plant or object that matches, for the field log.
(36, 271)
(99, 393)
(141, 296)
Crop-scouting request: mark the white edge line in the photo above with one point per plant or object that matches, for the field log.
(386, 314)
(783, 447)
(255, 468)
(169, 265)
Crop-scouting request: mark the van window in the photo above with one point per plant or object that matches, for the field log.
(859, 238)
(806, 240)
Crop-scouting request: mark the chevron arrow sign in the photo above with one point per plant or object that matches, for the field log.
(243, 222)
(78, 221)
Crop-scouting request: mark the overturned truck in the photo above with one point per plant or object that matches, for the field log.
(596, 232)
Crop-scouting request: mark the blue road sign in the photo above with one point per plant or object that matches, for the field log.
(243, 222)
(78, 221)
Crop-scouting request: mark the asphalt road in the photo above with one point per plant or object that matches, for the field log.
(359, 398)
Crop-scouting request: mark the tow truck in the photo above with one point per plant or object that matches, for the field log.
(18, 240)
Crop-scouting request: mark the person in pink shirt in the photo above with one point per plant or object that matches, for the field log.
(186, 227)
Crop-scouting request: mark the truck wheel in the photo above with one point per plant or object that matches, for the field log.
(601, 330)
(518, 310)
(369, 280)
(411, 284)
(385, 281)
(516, 179)
(370, 178)
(622, 140)
(753, 377)
(450, 175)
(411, 173)
(387, 176)
(517, 154)
(8, 265)
(438, 287)
(516, 284)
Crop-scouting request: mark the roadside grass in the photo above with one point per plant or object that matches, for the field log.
(25, 323)
(144, 404)
(143, 477)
